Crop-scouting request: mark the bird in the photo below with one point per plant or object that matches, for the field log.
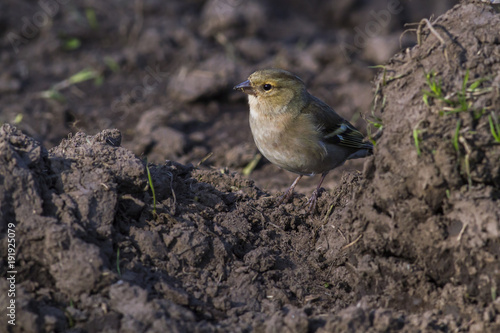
(297, 131)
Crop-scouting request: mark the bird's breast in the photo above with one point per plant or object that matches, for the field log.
(289, 144)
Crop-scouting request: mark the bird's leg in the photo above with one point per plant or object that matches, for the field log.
(314, 197)
(289, 192)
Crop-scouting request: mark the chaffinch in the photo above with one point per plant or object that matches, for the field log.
(297, 131)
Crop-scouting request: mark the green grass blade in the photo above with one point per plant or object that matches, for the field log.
(416, 139)
(83, 75)
(455, 137)
(494, 127)
(150, 180)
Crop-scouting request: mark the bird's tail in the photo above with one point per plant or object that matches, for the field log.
(365, 150)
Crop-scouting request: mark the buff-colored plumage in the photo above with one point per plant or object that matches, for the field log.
(297, 131)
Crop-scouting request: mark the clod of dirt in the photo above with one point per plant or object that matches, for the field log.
(213, 76)
(222, 17)
(155, 138)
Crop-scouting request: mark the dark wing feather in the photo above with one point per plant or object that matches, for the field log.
(334, 129)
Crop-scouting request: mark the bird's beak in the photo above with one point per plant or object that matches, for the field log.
(246, 87)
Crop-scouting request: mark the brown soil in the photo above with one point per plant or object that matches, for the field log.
(409, 244)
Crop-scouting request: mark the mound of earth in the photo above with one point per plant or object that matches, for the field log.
(428, 216)
(410, 244)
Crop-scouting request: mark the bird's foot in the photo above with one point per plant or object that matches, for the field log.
(285, 197)
(289, 192)
(312, 202)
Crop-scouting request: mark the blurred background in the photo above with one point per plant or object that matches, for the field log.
(162, 72)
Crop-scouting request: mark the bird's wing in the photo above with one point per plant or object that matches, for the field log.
(334, 129)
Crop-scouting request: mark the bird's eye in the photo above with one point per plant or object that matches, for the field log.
(267, 87)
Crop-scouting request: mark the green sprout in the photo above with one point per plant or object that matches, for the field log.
(251, 166)
(52, 94)
(377, 123)
(456, 136)
(462, 104)
(416, 138)
(112, 64)
(71, 44)
(468, 91)
(494, 126)
(91, 18)
(435, 88)
(18, 118)
(374, 121)
(81, 76)
(384, 74)
(386, 79)
(150, 180)
(71, 320)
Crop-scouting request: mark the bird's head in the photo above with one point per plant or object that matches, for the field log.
(274, 91)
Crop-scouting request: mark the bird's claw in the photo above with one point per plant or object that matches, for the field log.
(284, 197)
(289, 192)
(312, 202)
